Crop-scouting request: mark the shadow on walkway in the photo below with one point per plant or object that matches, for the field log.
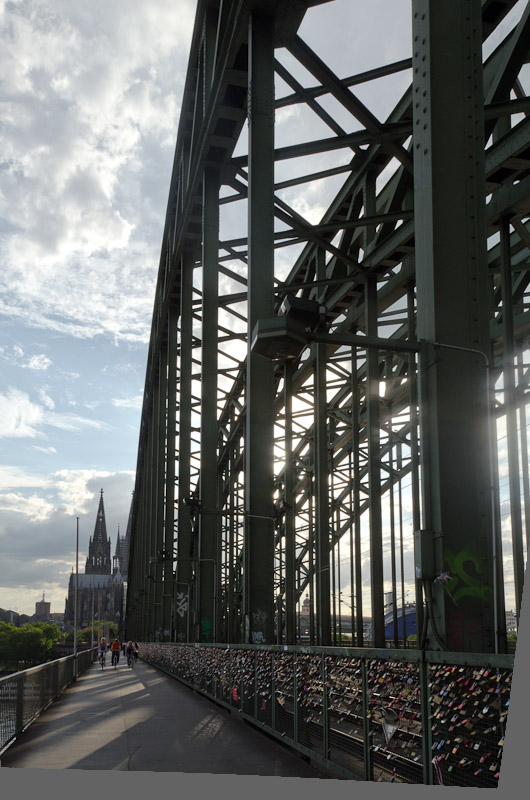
(140, 719)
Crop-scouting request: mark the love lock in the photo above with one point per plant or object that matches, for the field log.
(389, 722)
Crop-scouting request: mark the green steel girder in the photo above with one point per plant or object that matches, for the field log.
(368, 237)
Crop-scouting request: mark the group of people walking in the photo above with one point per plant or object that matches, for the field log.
(129, 649)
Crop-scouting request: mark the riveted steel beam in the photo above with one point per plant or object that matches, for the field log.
(258, 546)
(398, 255)
(451, 273)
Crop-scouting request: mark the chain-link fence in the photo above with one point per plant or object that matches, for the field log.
(409, 717)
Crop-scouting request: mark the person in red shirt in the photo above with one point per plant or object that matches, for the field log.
(115, 649)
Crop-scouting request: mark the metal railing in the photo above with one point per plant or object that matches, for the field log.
(362, 713)
(24, 695)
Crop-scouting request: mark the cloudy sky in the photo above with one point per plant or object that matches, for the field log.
(90, 99)
(89, 107)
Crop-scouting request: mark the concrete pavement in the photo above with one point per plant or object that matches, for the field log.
(141, 719)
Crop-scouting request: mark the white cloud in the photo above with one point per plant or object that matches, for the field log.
(12, 477)
(48, 450)
(46, 400)
(128, 402)
(35, 508)
(90, 404)
(15, 356)
(73, 422)
(75, 131)
(20, 417)
(73, 488)
(39, 362)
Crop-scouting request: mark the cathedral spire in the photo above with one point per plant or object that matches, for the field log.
(118, 554)
(99, 561)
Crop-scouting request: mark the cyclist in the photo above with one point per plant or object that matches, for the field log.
(102, 651)
(136, 651)
(115, 650)
(130, 654)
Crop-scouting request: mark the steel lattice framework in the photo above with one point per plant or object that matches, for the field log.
(387, 463)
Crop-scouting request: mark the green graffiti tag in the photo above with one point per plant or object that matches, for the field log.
(206, 630)
(463, 584)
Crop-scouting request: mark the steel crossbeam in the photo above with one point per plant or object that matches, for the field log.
(385, 466)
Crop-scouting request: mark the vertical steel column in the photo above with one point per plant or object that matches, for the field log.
(168, 623)
(334, 550)
(414, 453)
(258, 599)
(322, 486)
(150, 548)
(524, 444)
(323, 582)
(134, 585)
(451, 274)
(356, 503)
(209, 522)
(401, 553)
(161, 420)
(184, 534)
(231, 527)
(502, 642)
(392, 517)
(146, 538)
(374, 469)
(510, 406)
(290, 551)
(311, 561)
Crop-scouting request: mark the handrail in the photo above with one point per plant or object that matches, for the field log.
(25, 694)
(409, 654)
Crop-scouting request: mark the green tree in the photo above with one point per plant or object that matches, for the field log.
(27, 646)
(7, 641)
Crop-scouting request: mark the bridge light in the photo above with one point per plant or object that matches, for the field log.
(286, 336)
(279, 338)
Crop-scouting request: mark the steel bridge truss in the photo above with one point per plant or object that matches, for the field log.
(386, 465)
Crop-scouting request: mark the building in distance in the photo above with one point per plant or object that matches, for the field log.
(101, 589)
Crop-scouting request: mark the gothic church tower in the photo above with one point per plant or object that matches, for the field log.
(99, 561)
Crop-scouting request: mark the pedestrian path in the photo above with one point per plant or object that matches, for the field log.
(142, 720)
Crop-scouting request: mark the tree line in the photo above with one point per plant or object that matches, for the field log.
(28, 645)
(25, 646)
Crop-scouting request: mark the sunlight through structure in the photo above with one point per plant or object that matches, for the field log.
(360, 476)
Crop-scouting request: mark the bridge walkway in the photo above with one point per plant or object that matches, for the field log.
(142, 720)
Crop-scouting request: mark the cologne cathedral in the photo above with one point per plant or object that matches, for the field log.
(101, 590)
